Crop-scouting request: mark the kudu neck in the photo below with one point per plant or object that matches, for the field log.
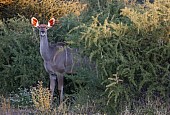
(44, 47)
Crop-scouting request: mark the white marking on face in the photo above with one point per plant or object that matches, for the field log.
(42, 33)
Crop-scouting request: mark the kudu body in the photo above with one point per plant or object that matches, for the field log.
(58, 58)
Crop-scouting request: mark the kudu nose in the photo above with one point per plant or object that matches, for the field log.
(42, 33)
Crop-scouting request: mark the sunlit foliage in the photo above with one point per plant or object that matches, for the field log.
(43, 9)
(5, 2)
(51, 8)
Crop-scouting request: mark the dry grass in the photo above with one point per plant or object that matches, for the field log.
(41, 98)
(151, 107)
(5, 105)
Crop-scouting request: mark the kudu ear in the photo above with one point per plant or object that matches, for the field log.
(51, 22)
(34, 22)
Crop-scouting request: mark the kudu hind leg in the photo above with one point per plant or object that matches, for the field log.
(60, 79)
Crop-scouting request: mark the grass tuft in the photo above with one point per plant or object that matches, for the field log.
(41, 97)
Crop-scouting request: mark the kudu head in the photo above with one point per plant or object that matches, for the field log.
(42, 27)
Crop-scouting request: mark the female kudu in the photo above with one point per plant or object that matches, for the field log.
(58, 58)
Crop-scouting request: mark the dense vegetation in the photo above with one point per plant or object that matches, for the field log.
(129, 42)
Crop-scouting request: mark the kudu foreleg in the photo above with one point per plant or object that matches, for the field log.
(52, 84)
(60, 79)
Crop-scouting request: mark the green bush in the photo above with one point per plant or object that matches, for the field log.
(22, 99)
(132, 51)
(21, 64)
